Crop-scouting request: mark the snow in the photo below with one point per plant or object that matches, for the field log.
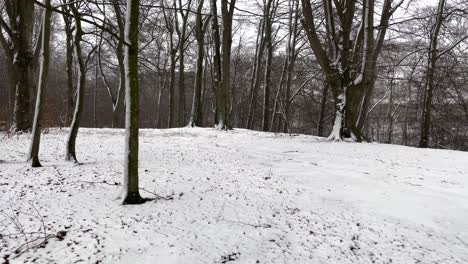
(239, 197)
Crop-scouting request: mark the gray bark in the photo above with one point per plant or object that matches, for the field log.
(131, 194)
(19, 49)
(429, 82)
(33, 157)
(196, 118)
(70, 153)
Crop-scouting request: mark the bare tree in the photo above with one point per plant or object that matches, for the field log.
(170, 17)
(131, 194)
(68, 20)
(270, 10)
(41, 87)
(349, 64)
(196, 118)
(116, 95)
(256, 71)
(182, 34)
(429, 82)
(223, 104)
(70, 153)
(18, 46)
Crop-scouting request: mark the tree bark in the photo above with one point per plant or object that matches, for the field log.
(33, 157)
(131, 194)
(22, 58)
(118, 113)
(429, 82)
(182, 39)
(70, 153)
(196, 118)
(223, 119)
(69, 64)
(256, 70)
(349, 65)
(269, 11)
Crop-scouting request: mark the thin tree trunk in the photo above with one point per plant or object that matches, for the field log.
(200, 29)
(118, 110)
(216, 57)
(69, 65)
(33, 157)
(269, 11)
(131, 194)
(256, 70)
(171, 119)
(429, 83)
(182, 39)
(70, 153)
(323, 108)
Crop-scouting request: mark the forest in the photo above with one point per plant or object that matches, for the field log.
(311, 82)
(280, 66)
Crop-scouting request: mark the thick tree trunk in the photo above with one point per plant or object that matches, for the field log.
(33, 157)
(349, 64)
(131, 194)
(21, 15)
(223, 120)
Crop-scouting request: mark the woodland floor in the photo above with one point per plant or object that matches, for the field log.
(238, 197)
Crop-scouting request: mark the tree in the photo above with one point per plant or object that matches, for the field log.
(41, 87)
(67, 19)
(270, 10)
(223, 104)
(70, 152)
(18, 46)
(429, 82)
(116, 95)
(349, 65)
(182, 32)
(170, 17)
(131, 194)
(256, 71)
(196, 117)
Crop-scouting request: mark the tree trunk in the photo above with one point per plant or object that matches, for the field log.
(21, 15)
(223, 119)
(171, 119)
(429, 83)
(70, 153)
(216, 57)
(349, 64)
(131, 194)
(69, 64)
(269, 11)
(41, 88)
(182, 39)
(196, 117)
(256, 70)
(323, 108)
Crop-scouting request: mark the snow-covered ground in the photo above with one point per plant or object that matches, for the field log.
(238, 197)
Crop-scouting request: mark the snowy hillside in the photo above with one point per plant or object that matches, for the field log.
(238, 197)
